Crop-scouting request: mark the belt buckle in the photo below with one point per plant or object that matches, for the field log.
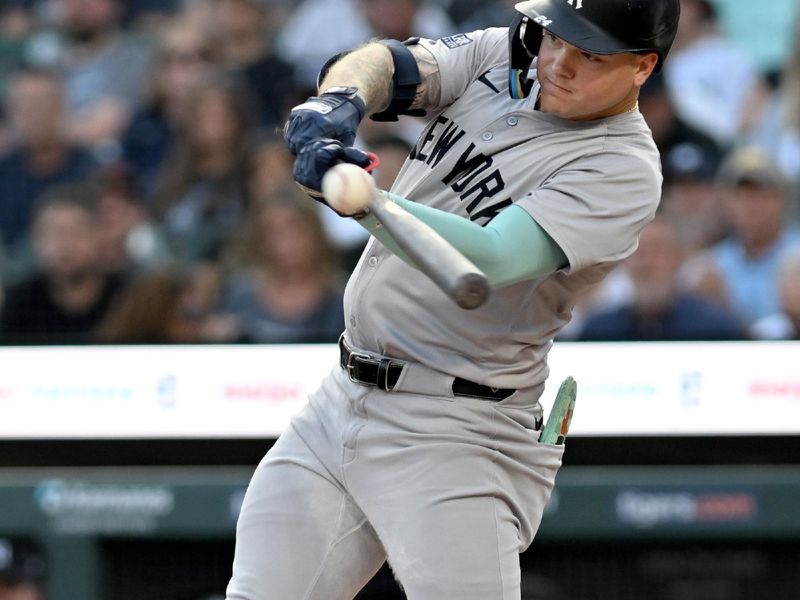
(350, 366)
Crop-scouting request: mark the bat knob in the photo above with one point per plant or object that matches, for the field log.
(472, 291)
(374, 162)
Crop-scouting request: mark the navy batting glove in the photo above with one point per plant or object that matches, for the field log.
(334, 114)
(316, 157)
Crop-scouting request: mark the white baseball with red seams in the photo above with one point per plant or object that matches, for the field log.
(348, 188)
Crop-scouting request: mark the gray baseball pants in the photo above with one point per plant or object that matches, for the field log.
(449, 489)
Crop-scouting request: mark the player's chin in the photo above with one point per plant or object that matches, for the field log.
(558, 107)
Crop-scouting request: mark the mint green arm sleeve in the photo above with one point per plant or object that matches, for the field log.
(511, 247)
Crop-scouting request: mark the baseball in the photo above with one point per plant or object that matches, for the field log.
(348, 188)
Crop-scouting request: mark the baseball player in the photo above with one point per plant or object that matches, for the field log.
(422, 445)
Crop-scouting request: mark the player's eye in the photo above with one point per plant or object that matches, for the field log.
(590, 57)
(552, 38)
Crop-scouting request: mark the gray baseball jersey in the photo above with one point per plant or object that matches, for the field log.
(590, 185)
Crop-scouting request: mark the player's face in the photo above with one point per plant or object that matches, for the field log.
(581, 86)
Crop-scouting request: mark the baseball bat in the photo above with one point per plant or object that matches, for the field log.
(450, 270)
(443, 264)
(557, 427)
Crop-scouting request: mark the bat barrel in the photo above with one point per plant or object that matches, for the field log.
(450, 270)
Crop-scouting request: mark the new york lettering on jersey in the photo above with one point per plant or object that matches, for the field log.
(475, 175)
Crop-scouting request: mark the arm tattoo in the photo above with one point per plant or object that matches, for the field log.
(369, 68)
(429, 91)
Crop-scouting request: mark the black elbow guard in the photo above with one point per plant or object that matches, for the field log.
(405, 81)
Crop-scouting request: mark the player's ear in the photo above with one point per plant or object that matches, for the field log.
(645, 64)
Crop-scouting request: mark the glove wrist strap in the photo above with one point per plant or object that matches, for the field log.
(351, 94)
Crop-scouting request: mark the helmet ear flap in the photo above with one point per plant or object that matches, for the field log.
(524, 39)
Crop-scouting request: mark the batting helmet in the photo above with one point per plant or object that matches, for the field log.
(596, 26)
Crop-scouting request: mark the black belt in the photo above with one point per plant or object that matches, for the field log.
(383, 373)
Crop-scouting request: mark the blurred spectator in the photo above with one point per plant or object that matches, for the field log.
(17, 18)
(319, 29)
(659, 309)
(614, 291)
(401, 19)
(271, 166)
(201, 195)
(668, 128)
(203, 298)
(40, 155)
(690, 196)
(744, 267)
(471, 15)
(393, 152)
(784, 325)
(779, 129)
(106, 71)
(246, 49)
(200, 13)
(167, 306)
(149, 15)
(185, 54)
(70, 292)
(17, 21)
(22, 570)
(285, 285)
(791, 103)
(129, 238)
(715, 86)
(22, 590)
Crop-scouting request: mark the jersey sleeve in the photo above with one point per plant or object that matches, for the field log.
(464, 57)
(595, 209)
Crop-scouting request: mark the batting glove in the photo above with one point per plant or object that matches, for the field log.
(334, 114)
(316, 157)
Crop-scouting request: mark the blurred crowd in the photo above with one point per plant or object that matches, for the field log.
(146, 192)
(22, 570)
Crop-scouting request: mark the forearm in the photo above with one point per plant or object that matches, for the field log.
(368, 68)
(511, 248)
